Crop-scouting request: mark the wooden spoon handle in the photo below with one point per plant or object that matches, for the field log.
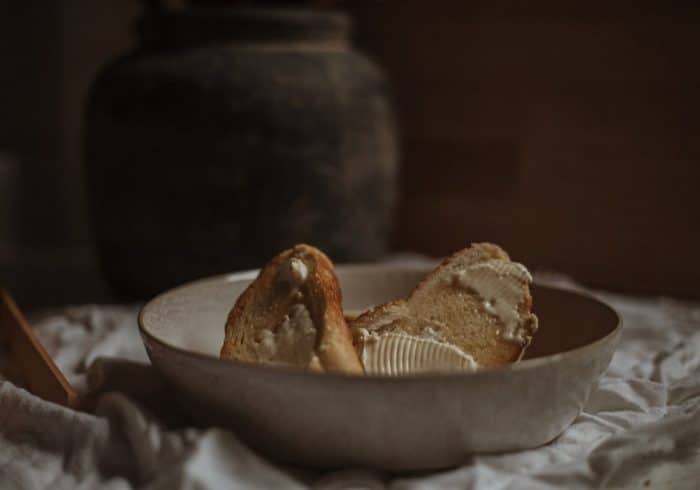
(29, 360)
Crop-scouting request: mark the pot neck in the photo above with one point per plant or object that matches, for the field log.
(195, 26)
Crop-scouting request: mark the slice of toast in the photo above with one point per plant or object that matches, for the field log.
(292, 315)
(472, 311)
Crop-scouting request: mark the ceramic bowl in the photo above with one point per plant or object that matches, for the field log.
(396, 424)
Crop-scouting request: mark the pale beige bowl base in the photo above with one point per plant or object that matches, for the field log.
(396, 424)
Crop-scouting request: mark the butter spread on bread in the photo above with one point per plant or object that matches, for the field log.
(396, 354)
(502, 287)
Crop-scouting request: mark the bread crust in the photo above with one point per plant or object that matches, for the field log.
(325, 303)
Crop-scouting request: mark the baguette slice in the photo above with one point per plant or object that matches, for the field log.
(472, 311)
(292, 315)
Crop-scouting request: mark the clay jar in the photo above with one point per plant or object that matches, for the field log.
(230, 134)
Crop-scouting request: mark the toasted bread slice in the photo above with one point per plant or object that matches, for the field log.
(472, 311)
(292, 315)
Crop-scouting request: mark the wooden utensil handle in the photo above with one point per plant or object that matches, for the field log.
(29, 359)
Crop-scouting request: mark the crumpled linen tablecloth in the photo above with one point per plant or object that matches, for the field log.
(640, 428)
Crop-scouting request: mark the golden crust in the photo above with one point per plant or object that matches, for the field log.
(324, 300)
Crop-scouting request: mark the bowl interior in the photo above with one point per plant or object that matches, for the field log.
(192, 317)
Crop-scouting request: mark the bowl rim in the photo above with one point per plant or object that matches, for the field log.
(526, 364)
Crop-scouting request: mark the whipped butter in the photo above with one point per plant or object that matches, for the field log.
(295, 272)
(291, 342)
(500, 285)
(396, 354)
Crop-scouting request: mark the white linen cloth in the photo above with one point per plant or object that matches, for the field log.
(640, 428)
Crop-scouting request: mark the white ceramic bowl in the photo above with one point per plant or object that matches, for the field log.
(398, 424)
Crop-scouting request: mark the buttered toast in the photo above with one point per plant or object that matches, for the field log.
(472, 311)
(292, 315)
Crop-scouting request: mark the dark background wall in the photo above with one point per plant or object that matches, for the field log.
(566, 131)
(49, 53)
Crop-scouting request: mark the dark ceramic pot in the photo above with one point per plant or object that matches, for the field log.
(230, 134)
